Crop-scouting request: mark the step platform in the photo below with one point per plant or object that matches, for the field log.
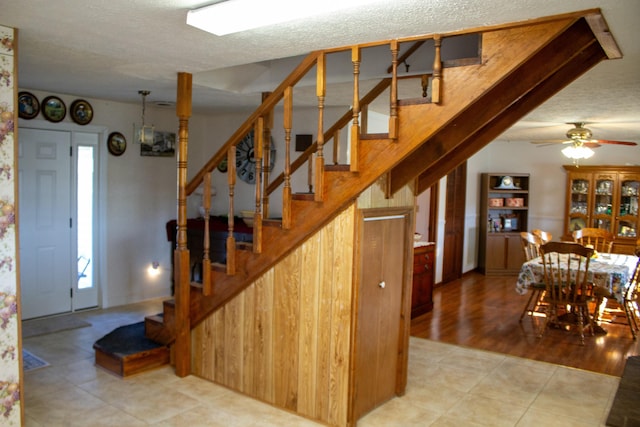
(126, 351)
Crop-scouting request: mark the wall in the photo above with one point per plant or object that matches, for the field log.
(11, 383)
(138, 194)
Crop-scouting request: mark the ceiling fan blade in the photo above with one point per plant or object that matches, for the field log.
(607, 141)
(551, 141)
(591, 144)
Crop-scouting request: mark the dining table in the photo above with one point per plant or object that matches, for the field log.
(609, 271)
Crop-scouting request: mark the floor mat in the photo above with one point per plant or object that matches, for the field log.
(30, 361)
(625, 411)
(35, 327)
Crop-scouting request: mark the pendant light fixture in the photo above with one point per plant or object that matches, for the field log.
(144, 135)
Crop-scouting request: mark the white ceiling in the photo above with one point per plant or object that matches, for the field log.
(110, 49)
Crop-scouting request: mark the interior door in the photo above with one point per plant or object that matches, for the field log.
(454, 224)
(44, 177)
(379, 303)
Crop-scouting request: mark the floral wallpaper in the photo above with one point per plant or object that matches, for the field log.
(10, 393)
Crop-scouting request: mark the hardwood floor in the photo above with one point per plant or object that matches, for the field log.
(482, 312)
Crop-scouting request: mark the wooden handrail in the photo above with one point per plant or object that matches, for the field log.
(264, 109)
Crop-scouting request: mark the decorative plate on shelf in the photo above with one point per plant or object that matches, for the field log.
(53, 109)
(81, 111)
(28, 105)
(577, 224)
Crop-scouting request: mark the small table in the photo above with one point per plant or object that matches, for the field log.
(610, 271)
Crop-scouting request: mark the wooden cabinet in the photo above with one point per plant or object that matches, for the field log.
(604, 197)
(422, 292)
(504, 214)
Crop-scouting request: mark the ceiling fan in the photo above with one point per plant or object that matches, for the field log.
(582, 137)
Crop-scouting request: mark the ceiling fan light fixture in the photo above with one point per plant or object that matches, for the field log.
(577, 152)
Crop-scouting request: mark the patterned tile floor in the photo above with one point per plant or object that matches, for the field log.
(448, 386)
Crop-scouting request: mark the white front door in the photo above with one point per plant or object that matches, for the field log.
(45, 222)
(57, 211)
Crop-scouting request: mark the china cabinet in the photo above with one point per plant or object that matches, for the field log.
(504, 214)
(604, 197)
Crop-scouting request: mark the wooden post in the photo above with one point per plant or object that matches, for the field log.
(182, 277)
(393, 117)
(436, 85)
(336, 147)
(355, 126)
(320, 92)
(286, 191)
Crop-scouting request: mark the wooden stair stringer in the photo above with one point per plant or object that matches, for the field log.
(505, 94)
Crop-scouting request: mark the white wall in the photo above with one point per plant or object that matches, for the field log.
(139, 193)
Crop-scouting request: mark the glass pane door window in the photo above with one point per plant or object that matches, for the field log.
(85, 203)
(602, 206)
(628, 220)
(579, 196)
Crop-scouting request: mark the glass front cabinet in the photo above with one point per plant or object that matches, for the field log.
(604, 197)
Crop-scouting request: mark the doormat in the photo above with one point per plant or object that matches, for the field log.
(30, 361)
(36, 327)
(625, 410)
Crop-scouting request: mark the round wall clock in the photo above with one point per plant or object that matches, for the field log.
(53, 109)
(246, 163)
(116, 143)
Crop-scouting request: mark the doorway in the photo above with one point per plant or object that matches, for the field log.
(58, 198)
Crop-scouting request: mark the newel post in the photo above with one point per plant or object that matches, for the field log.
(181, 253)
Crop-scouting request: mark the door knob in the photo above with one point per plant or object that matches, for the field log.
(382, 284)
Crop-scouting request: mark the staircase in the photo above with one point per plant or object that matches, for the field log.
(471, 101)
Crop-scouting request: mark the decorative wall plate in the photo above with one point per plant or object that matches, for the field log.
(116, 143)
(28, 105)
(54, 109)
(81, 111)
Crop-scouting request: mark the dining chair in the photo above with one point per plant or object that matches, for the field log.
(600, 239)
(629, 305)
(530, 247)
(567, 288)
(544, 236)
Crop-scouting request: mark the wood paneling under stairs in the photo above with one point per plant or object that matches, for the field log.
(482, 312)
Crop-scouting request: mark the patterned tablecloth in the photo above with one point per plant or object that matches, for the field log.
(611, 271)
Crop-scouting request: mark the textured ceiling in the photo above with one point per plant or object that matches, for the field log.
(110, 49)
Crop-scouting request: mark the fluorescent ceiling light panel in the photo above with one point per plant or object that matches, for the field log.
(233, 16)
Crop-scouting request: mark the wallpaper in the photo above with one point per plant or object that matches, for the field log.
(9, 324)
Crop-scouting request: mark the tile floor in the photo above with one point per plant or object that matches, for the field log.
(448, 386)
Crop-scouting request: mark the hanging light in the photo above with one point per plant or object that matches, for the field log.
(144, 135)
(577, 151)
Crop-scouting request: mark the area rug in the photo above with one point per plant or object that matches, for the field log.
(625, 411)
(36, 327)
(30, 361)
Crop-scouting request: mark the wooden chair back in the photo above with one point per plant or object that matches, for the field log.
(530, 245)
(544, 236)
(631, 298)
(601, 240)
(567, 284)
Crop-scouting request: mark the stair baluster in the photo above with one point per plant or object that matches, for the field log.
(355, 126)
(231, 240)
(266, 160)
(207, 284)
(286, 191)
(436, 85)
(320, 92)
(393, 117)
(257, 155)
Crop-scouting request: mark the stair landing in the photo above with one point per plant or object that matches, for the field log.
(126, 351)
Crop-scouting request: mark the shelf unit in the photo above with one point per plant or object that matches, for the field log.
(604, 197)
(500, 250)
